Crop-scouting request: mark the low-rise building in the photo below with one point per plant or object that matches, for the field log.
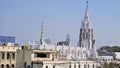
(117, 56)
(106, 58)
(8, 55)
(48, 59)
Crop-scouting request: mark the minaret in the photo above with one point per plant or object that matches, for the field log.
(86, 32)
(42, 34)
(68, 39)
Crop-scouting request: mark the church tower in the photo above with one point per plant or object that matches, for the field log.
(86, 39)
(42, 34)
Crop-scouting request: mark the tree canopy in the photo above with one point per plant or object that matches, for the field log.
(62, 43)
(111, 48)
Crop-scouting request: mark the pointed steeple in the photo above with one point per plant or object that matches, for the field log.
(86, 20)
(42, 34)
(86, 39)
(86, 13)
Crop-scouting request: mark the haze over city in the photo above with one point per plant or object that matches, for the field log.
(23, 20)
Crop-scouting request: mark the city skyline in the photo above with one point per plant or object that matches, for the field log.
(23, 20)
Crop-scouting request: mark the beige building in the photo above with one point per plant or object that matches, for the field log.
(48, 59)
(8, 55)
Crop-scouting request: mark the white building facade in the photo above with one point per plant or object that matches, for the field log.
(106, 58)
(8, 53)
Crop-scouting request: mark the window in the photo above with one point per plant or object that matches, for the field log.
(103, 59)
(84, 66)
(46, 66)
(70, 66)
(3, 55)
(88, 65)
(12, 65)
(41, 55)
(78, 66)
(13, 55)
(28, 66)
(8, 55)
(2, 66)
(53, 66)
(74, 66)
(93, 66)
(7, 66)
(25, 65)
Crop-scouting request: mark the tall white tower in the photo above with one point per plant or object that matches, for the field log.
(86, 39)
(42, 34)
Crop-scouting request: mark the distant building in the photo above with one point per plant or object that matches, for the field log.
(68, 39)
(106, 58)
(47, 41)
(33, 58)
(60, 56)
(117, 56)
(7, 39)
(8, 53)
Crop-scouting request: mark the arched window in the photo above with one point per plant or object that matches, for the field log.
(8, 55)
(84, 66)
(70, 66)
(13, 55)
(7, 66)
(93, 66)
(74, 66)
(78, 66)
(103, 59)
(28, 66)
(12, 66)
(88, 65)
(53, 66)
(3, 55)
(2, 66)
(46, 66)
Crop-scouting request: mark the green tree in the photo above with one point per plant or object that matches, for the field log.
(111, 49)
(62, 43)
(115, 49)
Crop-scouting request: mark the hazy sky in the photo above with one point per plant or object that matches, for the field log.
(23, 18)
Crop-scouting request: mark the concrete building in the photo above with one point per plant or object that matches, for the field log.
(8, 53)
(48, 59)
(106, 58)
(7, 39)
(117, 56)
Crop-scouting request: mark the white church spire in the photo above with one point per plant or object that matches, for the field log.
(86, 12)
(86, 20)
(86, 39)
